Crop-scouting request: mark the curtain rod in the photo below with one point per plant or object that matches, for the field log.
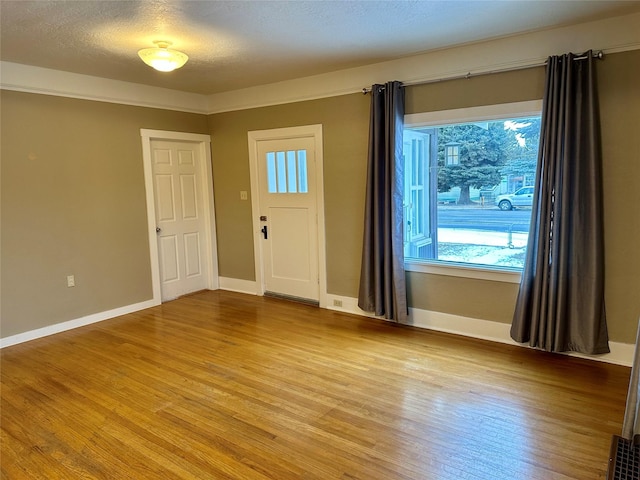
(598, 55)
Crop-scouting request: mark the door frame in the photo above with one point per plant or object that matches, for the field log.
(210, 246)
(255, 136)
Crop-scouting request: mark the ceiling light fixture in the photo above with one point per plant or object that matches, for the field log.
(162, 58)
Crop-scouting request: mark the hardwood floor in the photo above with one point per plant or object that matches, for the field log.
(221, 385)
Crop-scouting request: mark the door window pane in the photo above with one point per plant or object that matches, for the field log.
(287, 172)
(291, 172)
(302, 171)
(271, 172)
(282, 172)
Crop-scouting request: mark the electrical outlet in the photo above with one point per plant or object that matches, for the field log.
(71, 281)
(337, 303)
(243, 195)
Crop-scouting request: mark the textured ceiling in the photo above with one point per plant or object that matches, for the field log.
(237, 44)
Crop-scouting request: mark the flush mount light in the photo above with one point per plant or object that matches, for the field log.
(162, 58)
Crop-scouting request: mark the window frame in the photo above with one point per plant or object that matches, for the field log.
(469, 115)
(421, 144)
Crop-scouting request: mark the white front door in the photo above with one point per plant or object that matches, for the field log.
(288, 217)
(286, 166)
(179, 193)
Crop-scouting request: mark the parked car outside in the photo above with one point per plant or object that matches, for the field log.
(523, 197)
(448, 197)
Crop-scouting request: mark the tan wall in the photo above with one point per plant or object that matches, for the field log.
(73, 202)
(345, 121)
(483, 299)
(345, 131)
(619, 89)
(73, 198)
(619, 92)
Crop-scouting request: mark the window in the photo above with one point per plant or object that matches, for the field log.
(452, 153)
(287, 172)
(469, 185)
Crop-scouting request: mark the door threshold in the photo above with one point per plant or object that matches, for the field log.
(292, 298)
(186, 295)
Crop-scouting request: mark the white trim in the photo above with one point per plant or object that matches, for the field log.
(211, 249)
(254, 137)
(621, 353)
(466, 271)
(238, 285)
(178, 136)
(345, 304)
(71, 324)
(30, 79)
(469, 115)
(474, 114)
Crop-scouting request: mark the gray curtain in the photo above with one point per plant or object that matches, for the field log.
(631, 424)
(560, 305)
(382, 277)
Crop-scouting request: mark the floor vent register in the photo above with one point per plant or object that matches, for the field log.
(624, 459)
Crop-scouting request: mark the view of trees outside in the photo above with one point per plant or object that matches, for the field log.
(488, 152)
(477, 164)
(495, 157)
(523, 158)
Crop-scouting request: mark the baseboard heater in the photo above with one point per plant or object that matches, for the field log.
(624, 459)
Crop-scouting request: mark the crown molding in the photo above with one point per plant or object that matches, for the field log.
(611, 35)
(27, 78)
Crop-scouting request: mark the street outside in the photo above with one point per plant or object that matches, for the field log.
(483, 235)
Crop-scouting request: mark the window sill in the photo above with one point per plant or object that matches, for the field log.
(465, 271)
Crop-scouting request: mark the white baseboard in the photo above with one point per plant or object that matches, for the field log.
(621, 353)
(232, 284)
(238, 285)
(78, 322)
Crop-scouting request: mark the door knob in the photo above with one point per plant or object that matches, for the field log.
(158, 229)
(264, 231)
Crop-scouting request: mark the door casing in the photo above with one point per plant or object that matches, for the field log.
(204, 143)
(256, 136)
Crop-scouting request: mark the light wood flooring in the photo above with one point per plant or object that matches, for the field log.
(221, 385)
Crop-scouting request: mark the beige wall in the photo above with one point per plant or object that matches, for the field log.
(345, 131)
(73, 199)
(73, 202)
(345, 121)
(619, 88)
(483, 299)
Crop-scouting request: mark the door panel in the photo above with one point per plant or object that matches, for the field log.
(193, 262)
(165, 198)
(189, 197)
(186, 157)
(169, 258)
(289, 229)
(288, 202)
(179, 196)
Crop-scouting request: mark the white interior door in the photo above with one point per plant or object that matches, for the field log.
(288, 225)
(179, 194)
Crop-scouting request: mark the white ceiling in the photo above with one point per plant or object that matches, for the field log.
(237, 44)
